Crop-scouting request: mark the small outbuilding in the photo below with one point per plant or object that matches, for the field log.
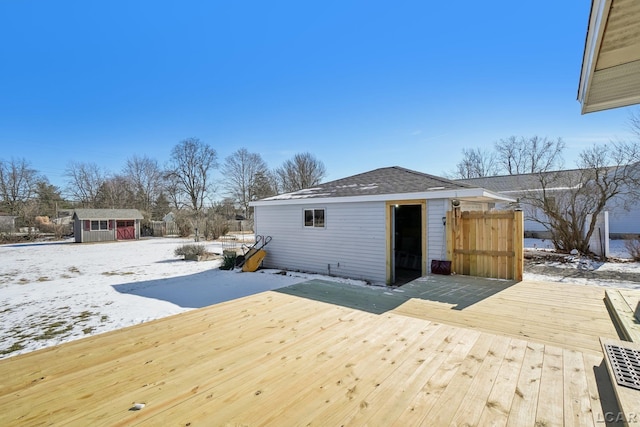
(106, 225)
(7, 223)
(385, 225)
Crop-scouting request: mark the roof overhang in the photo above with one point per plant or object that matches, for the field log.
(468, 194)
(610, 75)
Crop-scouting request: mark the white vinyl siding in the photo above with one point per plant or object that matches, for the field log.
(436, 241)
(622, 221)
(352, 242)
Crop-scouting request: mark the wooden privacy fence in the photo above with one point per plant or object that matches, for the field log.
(486, 244)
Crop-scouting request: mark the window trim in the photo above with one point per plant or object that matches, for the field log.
(97, 225)
(316, 224)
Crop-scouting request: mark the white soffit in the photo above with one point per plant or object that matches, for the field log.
(610, 76)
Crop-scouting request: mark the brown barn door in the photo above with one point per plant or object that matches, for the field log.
(126, 230)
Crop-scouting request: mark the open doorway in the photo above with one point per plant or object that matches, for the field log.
(408, 235)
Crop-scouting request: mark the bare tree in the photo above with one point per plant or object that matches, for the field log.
(145, 178)
(529, 155)
(172, 190)
(18, 183)
(192, 162)
(302, 171)
(84, 182)
(243, 172)
(570, 201)
(476, 163)
(116, 192)
(189, 177)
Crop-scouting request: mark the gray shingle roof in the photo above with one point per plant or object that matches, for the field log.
(107, 214)
(389, 180)
(530, 181)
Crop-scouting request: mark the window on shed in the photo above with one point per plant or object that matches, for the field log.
(99, 225)
(314, 218)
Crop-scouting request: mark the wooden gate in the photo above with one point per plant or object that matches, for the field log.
(486, 244)
(126, 230)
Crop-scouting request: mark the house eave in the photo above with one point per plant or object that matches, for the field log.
(467, 194)
(598, 16)
(610, 72)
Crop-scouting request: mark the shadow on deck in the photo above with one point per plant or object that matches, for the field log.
(565, 315)
(459, 291)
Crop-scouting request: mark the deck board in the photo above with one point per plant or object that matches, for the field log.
(565, 315)
(279, 359)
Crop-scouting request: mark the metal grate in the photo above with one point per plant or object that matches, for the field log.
(626, 365)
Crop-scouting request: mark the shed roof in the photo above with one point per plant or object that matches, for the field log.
(107, 214)
(385, 183)
(610, 75)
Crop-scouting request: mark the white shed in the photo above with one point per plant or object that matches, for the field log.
(383, 226)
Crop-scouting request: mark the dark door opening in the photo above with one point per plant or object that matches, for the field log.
(408, 243)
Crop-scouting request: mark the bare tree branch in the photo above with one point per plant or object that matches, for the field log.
(244, 173)
(529, 155)
(145, 178)
(18, 183)
(476, 163)
(192, 162)
(84, 181)
(303, 171)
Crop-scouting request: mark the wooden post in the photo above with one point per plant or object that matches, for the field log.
(518, 245)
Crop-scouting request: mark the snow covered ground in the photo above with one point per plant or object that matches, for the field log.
(621, 273)
(54, 292)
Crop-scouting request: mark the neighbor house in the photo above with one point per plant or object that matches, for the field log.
(375, 226)
(103, 225)
(622, 219)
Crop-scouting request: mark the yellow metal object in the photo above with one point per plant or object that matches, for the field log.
(252, 263)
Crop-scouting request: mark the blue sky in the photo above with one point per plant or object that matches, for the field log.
(359, 84)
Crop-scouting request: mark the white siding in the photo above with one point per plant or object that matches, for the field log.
(599, 241)
(622, 221)
(436, 241)
(352, 244)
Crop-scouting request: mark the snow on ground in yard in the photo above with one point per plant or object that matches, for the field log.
(617, 247)
(54, 292)
(622, 272)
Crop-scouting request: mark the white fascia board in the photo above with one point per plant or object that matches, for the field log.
(595, 32)
(462, 194)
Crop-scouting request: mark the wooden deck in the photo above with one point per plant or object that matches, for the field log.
(279, 359)
(565, 315)
(623, 304)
